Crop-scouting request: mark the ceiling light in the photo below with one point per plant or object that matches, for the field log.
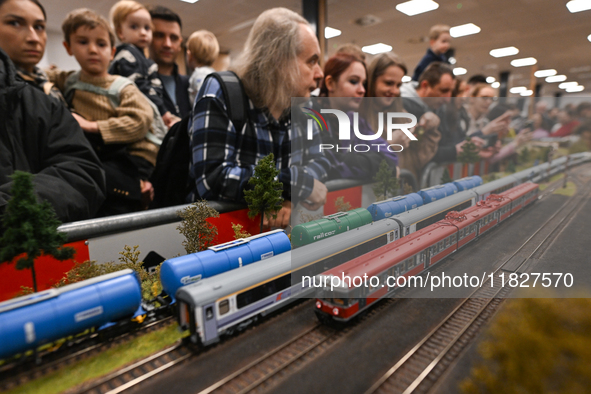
(460, 71)
(415, 7)
(578, 5)
(190, 1)
(490, 79)
(496, 85)
(526, 61)
(575, 89)
(464, 30)
(376, 48)
(567, 85)
(589, 37)
(452, 60)
(406, 78)
(518, 89)
(556, 78)
(527, 93)
(502, 52)
(545, 73)
(329, 32)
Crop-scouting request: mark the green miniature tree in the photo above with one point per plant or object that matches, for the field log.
(30, 228)
(386, 182)
(524, 155)
(199, 234)
(511, 167)
(446, 178)
(469, 153)
(239, 231)
(265, 197)
(341, 205)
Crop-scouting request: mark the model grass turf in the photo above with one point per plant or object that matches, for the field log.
(570, 190)
(102, 364)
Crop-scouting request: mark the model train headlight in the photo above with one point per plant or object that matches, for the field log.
(335, 311)
(318, 304)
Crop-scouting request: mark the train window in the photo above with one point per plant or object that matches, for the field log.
(209, 313)
(453, 238)
(266, 289)
(224, 307)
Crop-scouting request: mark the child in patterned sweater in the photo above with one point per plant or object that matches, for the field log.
(133, 27)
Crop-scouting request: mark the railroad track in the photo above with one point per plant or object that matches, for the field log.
(420, 368)
(12, 376)
(138, 372)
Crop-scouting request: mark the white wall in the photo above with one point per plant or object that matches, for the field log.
(55, 53)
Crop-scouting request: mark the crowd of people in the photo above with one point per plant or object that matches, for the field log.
(92, 137)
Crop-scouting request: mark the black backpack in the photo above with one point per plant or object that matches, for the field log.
(170, 178)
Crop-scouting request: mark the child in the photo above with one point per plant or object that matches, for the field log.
(133, 27)
(118, 134)
(439, 43)
(202, 51)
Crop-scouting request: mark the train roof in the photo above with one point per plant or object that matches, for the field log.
(41, 296)
(420, 213)
(224, 284)
(517, 191)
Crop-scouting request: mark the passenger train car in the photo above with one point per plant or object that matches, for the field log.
(414, 254)
(232, 300)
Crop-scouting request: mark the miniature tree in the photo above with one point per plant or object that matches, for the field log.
(386, 182)
(511, 167)
(239, 231)
(407, 188)
(341, 205)
(469, 153)
(446, 178)
(265, 197)
(542, 337)
(199, 234)
(524, 155)
(30, 227)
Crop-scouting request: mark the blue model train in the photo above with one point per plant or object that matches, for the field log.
(30, 321)
(394, 206)
(191, 268)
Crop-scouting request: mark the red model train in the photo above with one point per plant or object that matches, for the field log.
(413, 254)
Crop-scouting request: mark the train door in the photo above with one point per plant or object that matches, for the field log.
(425, 258)
(210, 327)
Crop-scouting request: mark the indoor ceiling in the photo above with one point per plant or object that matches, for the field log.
(543, 29)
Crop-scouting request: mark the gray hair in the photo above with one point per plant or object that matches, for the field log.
(268, 64)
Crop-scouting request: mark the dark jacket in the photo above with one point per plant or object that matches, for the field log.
(429, 58)
(130, 62)
(183, 105)
(39, 135)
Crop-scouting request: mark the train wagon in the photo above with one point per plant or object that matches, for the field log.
(33, 320)
(328, 226)
(191, 268)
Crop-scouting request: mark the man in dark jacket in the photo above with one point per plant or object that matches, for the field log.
(39, 135)
(164, 49)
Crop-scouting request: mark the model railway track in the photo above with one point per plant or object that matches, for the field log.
(420, 368)
(138, 372)
(14, 375)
